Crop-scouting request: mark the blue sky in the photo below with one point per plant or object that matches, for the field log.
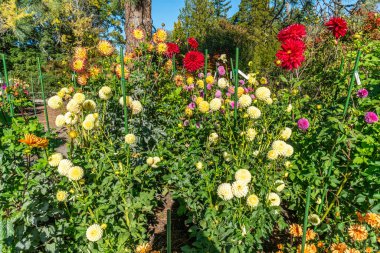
(166, 11)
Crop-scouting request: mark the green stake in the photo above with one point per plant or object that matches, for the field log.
(124, 92)
(9, 97)
(351, 83)
(169, 231)
(305, 219)
(236, 88)
(205, 85)
(33, 97)
(341, 65)
(173, 63)
(43, 94)
(75, 79)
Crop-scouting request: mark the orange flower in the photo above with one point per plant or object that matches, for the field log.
(79, 65)
(280, 246)
(320, 244)
(80, 53)
(34, 141)
(357, 232)
(368, 250)
(138, 34)
(178, 79)
(118, 71)
(295, 230)
(338, 248)
(373, 219)
(360, 217)
(105, 48)
(309, 248)
(94, 71)
(128, 57)
(310, 235)
(82, 79)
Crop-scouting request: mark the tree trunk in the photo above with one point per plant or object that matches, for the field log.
(138, 14)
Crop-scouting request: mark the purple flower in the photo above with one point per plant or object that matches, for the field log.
(232, 104)
(218, 94)
(186, 123)
(208, 74)
(241, 82)
(4, 86)
(253, 96)
(201, 75)
(198, 125)
(303, 124)
(371, 117)
(231, 89)
(228, 94)
(209, 86)
(191, 105)
(221, 71)
(201, 93)
(362, 93)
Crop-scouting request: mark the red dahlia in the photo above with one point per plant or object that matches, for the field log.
(193, 61)
(294, 32)
(338, 26)
(291, 54)
(193, 43)
(172, 49)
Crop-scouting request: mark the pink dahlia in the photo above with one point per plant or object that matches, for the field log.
(371, 117)
(362, 93)
(303, 124)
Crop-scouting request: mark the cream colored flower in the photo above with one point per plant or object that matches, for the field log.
(71, 118)
(245, 100)
(314, 219)
(269, 101)
(243, 175)
(273, 199)
(204, 106)
(199, 165)
(222, 83)
(55, 159)
(253, 112)
(105, 93)
(61, 196)
(128, 100)
(55, 102)
(239, 189)
(286, 133)
(152, 161)
(89, 105)
(75, 173)
(226, 156)
(280, 147)
(272, 155)
(64, 166)
(79, 98)
(88, 124)
(262, 93)
(289, 108)
(213, 138)
(136, 107)
(289, 151)
(225, 191)
(280, 185)
(287, 164)
(73, 106)
(215, 104)
(60, 121)
(253, 200)
(251, 134)
(130, 139)
(94, 233)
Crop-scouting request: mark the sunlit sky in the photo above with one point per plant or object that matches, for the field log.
(166, 11)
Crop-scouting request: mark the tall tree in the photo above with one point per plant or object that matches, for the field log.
(221, 8)
(138, 14)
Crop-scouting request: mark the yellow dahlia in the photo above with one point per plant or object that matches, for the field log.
(138, 34)
(286, 133)
(73, 106)
(199, 165)
(190, 80)
(188, 112)
(253, 200)
(280, 147)
(213, 137)
(160, 36)
(64, 166)
(105, 93)
(61, 196)
(245, 100)
(94, 233)
(130, 139)
(200, 84)
(215, 104)
(161, 48)
(79, 98)
(89, 105)
(263, 81)
(71, 118)
(210, 79)
(289, 150)
(60, 120)
(136, 107)
(128, 100)
(204, 106)
(280, 185)
(272, 155)
(105, 48)
(240, 91)
(251, 134)
(80, 53)
(225, 191)
(198, 100)
(273, 199)
(78, 65)
(75, 173)
(88, 124)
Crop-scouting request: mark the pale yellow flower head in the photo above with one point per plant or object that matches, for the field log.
(136, 107)
(73, 106)
(55, 102)
(213, 137)
(138, 34)
(130, 139)
(273, 199)
(75, 173)
(280, 185)
(222, 83)
(55, 159)
(215, 104)
(64, 166)
(105, 93)
(239, 188)
(225, 191)
(60, 120)
(251, 134)
(79, 98)
(253, 200)
(286, 133)
(243, 175)
(88, 124)
(62, 196)
(262, 93)
(245, 100)
(204, 106)
(253, 112)
(272, 155)
(89, 105)
(94, 233)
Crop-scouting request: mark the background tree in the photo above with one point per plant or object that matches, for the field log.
(221, 8)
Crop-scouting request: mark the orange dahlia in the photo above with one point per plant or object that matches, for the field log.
(34, 141)
(320, 244)
(310, 235)
(338, 247)
(78, 65)
(360, 217)
(82, 79)
(118, 71)
(358, 232)
(80, 53)
(105, 48)
(144, 248)
(280, 246)
(373, 219)
(352, 250)
(178, 79)
(128, 57)
(295, 230)
(160, 36)
(94, 71)
(309, 248)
